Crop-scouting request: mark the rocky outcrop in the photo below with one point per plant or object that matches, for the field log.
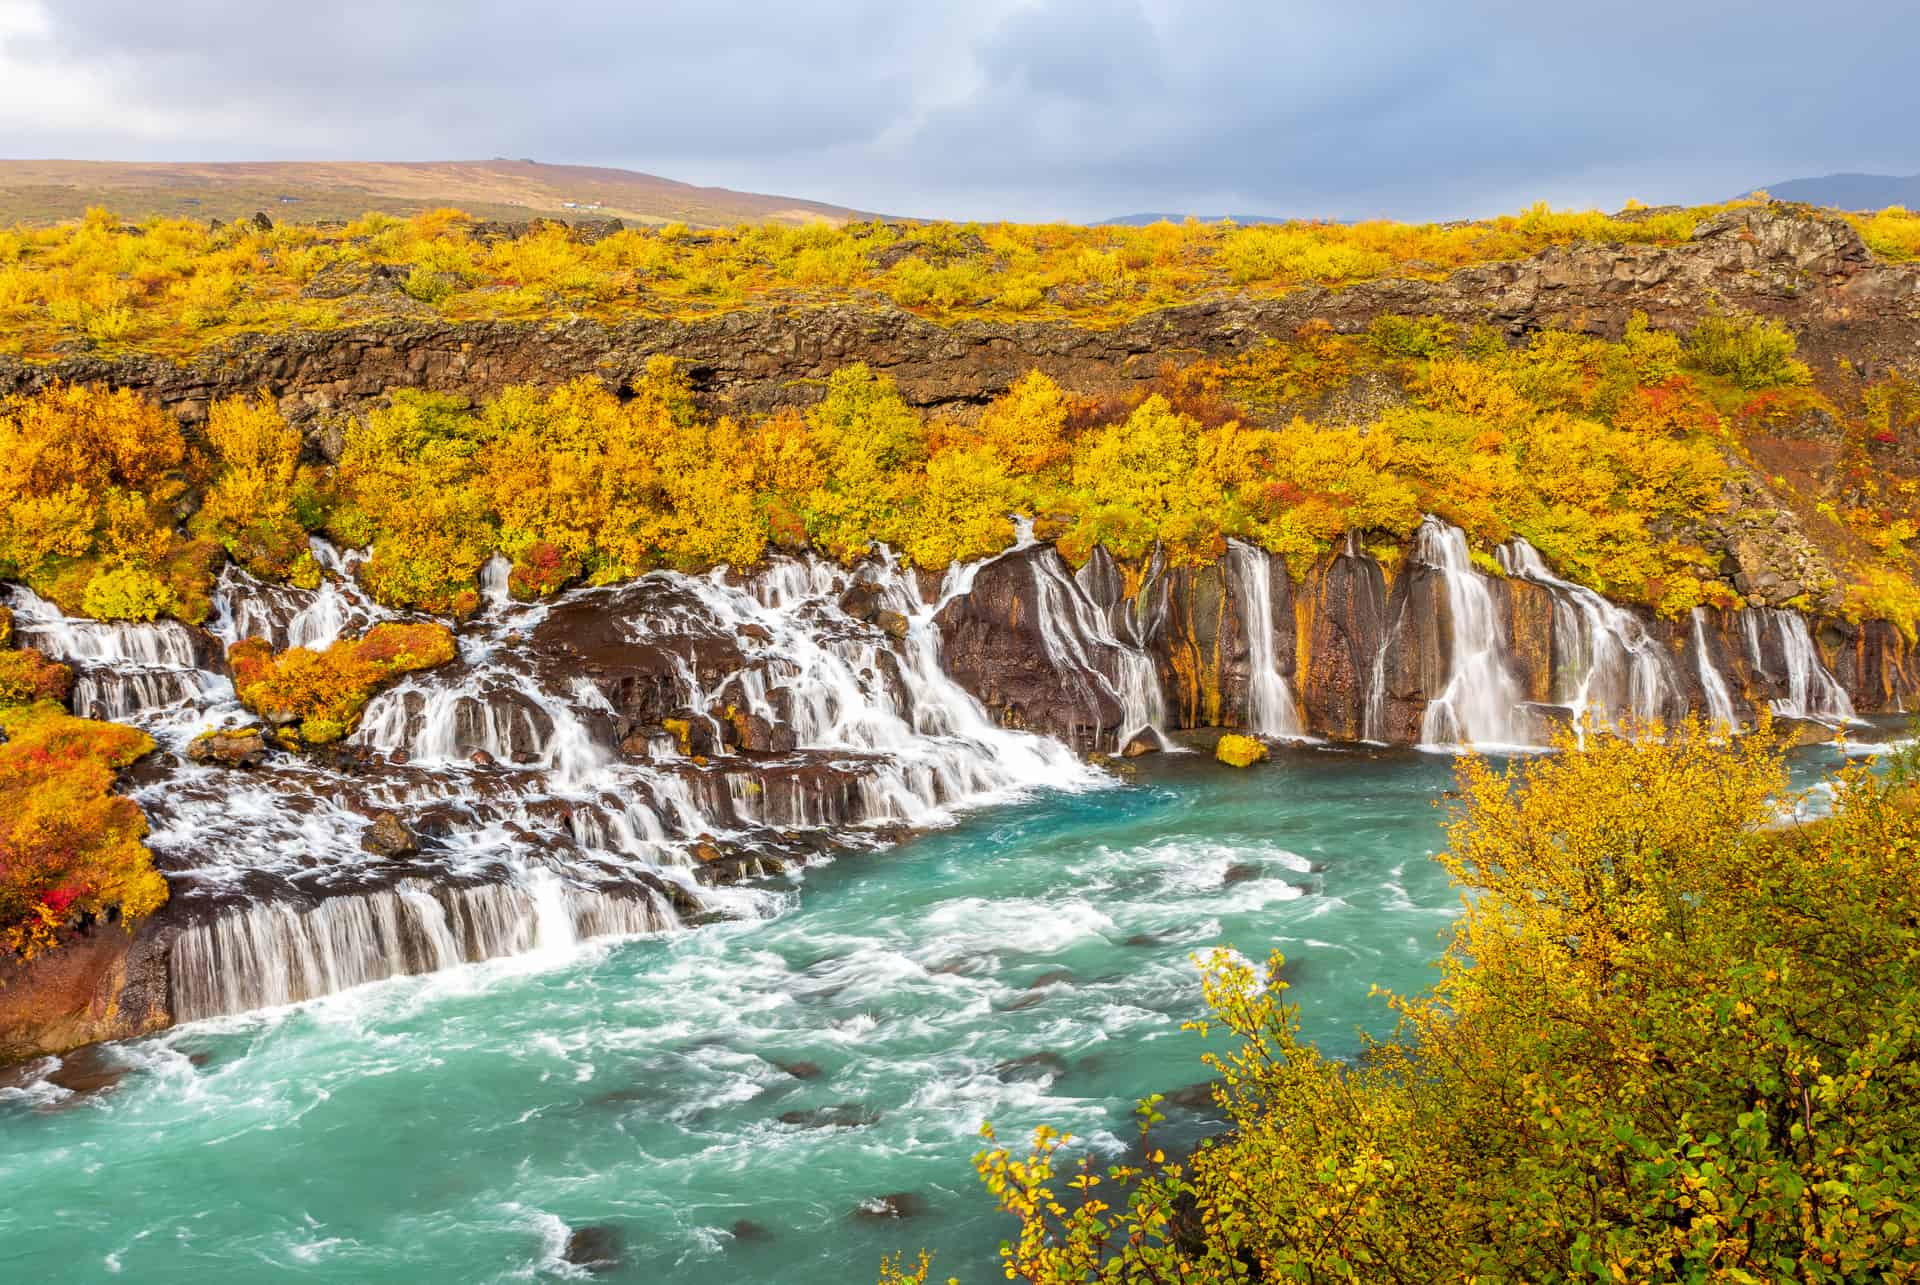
(1808, 269)
(229, 747)
(1341, 618)
(1033, 665)
(1876, 664)
(102, 984)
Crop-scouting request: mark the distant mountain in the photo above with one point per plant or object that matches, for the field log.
(1851, 191)
(48, 191)
(1142, 220)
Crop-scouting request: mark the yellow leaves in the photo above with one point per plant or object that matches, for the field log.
(1027, 426)
(176, 286)
(34, 528)
(1594, 845)
(963, 510)
(1465, 387)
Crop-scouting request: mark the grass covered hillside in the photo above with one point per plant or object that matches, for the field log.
(176, 286)
(52, 191)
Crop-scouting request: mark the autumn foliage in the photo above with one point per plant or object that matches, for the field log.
(1612, 458)
(1669, 1042)
(90, 481)
(68, 845)
(176, 285)
(319, 695)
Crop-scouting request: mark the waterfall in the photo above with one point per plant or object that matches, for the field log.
(1713, 684)
(548, 804)
(287, 616)
(1479, 703)
(1811, 691)
(1605, 664)
(1271, 708)
(275, 953)
(1069, 623)
(123, 670)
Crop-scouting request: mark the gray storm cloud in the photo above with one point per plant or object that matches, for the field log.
(1000, 108)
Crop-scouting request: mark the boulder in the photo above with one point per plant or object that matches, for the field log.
(862, 600)
(758, 735)
(892, 622)
(842, 1115)
(898, 1204)
(1034, 1066)
(229, 747)
(389, 836)
(597, 1248)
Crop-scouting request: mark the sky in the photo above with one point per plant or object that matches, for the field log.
(1018, 109)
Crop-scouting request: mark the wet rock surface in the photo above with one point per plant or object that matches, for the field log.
(388, 836)
(598, 1248)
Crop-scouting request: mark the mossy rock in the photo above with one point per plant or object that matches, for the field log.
(1239, 751)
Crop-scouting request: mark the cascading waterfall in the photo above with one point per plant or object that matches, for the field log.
(543, 820)
(1812, 692)
(275, 953)
(1271, 708)
(122, 671)
(550, 805)
(1068, 624)
(1713, 684)
(1605, 664)
(1480, 701)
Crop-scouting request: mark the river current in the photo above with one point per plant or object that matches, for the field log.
(1032, 964)
(780, 1099)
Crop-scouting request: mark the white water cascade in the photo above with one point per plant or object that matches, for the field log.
(275, 953)
(122, 671)
(1811, 692)
(1605, 664)
(1271, 708)
(547, 804)
(1713, 684)
(1069, 622)
(1479, 704)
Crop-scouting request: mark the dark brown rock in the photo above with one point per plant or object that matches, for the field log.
(598, 1248)
(100, 983)
(1342, 611)
(862, 600)
(994, 645)
(899, 1204)
(389, 836)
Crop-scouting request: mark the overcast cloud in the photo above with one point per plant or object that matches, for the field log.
(1001, 108)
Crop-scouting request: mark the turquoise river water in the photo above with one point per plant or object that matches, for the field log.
(1032, 964)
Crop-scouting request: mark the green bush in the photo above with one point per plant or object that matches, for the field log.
(127, 593)
(1752, 352)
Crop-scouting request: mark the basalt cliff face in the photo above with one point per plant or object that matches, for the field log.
(636, 758)
(1809, 270)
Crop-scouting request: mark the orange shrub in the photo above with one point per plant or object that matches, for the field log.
(324, 692)
(68, 845)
